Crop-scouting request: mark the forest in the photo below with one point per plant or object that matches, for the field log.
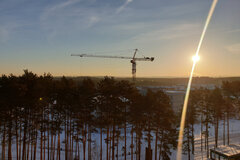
(51, 119)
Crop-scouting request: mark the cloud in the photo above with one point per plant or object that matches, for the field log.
(168, 33)
(121, 8)
(67, 17)
(76, 16)
(234, 48)
(52, 9)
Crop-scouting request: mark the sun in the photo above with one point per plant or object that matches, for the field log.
(195, 58)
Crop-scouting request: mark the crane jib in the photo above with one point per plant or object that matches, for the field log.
(102, 56)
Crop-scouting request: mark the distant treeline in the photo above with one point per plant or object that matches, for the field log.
(167, 81)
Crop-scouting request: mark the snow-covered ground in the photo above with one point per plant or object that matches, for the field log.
(234, 139)
(234, 130)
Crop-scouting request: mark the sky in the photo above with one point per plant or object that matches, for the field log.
(41, 35)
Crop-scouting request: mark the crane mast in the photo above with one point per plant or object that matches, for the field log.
(132, 60)
(134, 65)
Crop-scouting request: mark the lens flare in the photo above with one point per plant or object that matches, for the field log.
(196, 58)
(184, 111)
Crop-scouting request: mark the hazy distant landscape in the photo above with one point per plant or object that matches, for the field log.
(167, 81)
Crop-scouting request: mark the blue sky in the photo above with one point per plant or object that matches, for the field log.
(41, 35)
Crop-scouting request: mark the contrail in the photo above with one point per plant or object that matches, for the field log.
(123, 6)
(182, 125)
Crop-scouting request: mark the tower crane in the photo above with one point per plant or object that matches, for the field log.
(132, 59)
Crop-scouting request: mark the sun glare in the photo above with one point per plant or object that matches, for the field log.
(195, 58)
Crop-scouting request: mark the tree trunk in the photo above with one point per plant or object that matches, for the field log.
(51, 149)
(79, 149)
(24, 138)
(192, 138)
(59, 146)
(160, 148)
(228, 139)
(28, 145)
(149, 137)
(107, 143)
(117, 143)
(188, 143)
(41, 145)
(113, 143)
(44, 146)
(76, 150)
(54, 144)
(101, 144)
(84, 143)
(136, 148)
(57, 158)
(110, 142)
(16, 132)
(207, 139)
(66, 140)
(20, 139)
(125, 136)
(10, 141)
(72, 143)
(139, 146)
(149, 149)
(89, 144)
(132, 143)
(201, 133)
(70, 138)
(35, 145)
(3, 141)
(156, 140)
(48, 136)
(31, 149)
(216, 133)
(76, 147)
(223, 128)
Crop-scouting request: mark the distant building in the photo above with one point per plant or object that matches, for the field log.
(177, 99)
(175, 92)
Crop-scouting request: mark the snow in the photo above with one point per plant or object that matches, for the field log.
(234, 139)
(230, 150)
(234, 131)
